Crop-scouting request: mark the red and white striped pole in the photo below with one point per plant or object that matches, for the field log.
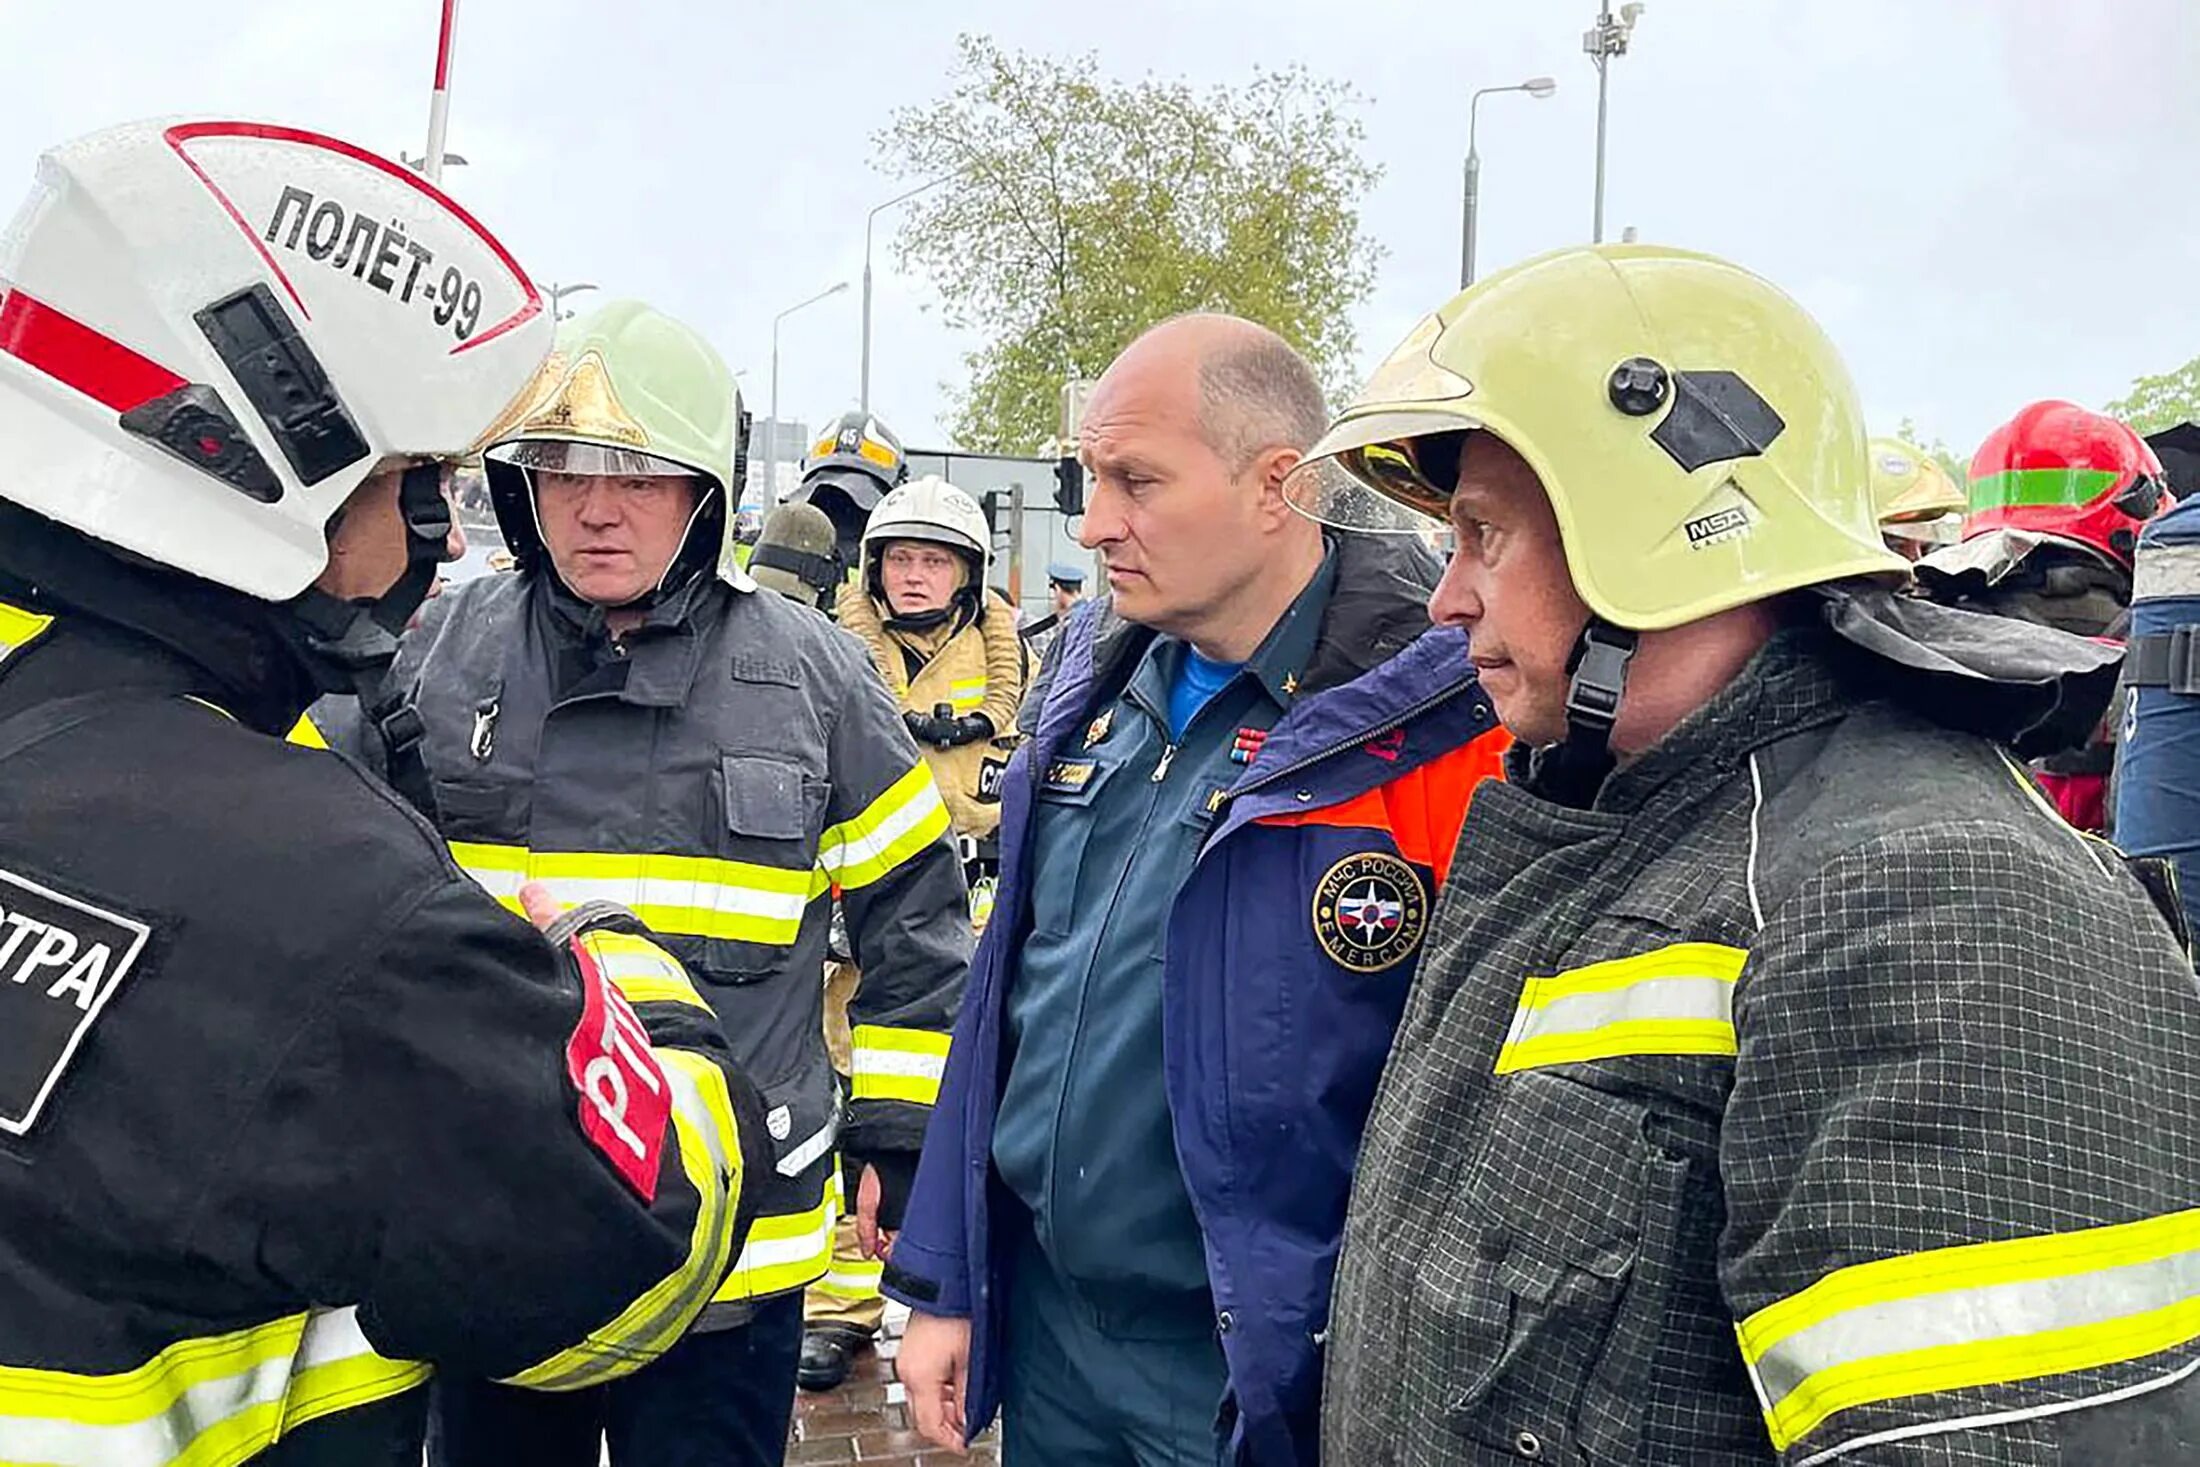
(439, 105)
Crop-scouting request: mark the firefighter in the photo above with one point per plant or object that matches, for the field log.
(1801, 1088)
(1247, 770)
(2058, 497)
(944, 639)
(855, 463)
(795, 556)
(628, 716)
(290, 1113)
(1919, 506)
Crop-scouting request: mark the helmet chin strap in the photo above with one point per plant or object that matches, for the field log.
(354, 642)
(1577, 766)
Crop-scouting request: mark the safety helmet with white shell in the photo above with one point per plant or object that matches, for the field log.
(212, 332)
(934, 510)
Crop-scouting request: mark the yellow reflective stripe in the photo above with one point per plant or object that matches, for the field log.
(1978, 1314)
(852, 1282)
(702, 1115)
(689, 896)
(783, 1253)
(899, 824)
(20, 628)
(897, 1064)
(305, 735)
(641, 970)
(966, 693)
(1677, 999)
(199, 1403)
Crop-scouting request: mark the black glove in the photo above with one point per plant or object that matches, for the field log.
(931, 729)
(971, 728)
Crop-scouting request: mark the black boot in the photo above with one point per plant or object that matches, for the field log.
(826, 1355)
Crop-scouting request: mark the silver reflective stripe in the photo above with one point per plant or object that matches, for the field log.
(165, 1435)
(798, 1161)
(1671, 1000)
(1976, 1315)
(2166, 570)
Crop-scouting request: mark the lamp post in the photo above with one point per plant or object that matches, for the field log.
(863, 396)
(1604, 40)
(420, 165)
(771, 449)
(558, 293)
(1538, 87)
(439, 101)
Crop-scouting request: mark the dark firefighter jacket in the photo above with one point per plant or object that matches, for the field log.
(290, 1113)
(1814, 1095)
(723, 772)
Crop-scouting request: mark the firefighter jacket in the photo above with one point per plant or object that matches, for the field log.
(1816, 1094)
(973, 667)
(289, 1112)
(1288, 954)
(722, 772)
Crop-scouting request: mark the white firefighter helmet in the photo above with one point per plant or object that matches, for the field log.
(212, 332)
(932, 509)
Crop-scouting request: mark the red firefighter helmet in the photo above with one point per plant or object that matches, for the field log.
(2070, 475)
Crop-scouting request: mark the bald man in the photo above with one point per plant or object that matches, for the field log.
(1127, 1248)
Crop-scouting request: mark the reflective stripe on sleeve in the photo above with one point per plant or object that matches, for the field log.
(687, 896)
(897, 1064)
(897, 826)
(642, 971)
(966, 694)
(200, 1403)
(1670, 1000)
(783, 1253)
(710, 1155)
(1980, 1314)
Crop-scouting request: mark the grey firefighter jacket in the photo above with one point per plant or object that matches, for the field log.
(289, 1112)
(722, 773)
(1816, 1095)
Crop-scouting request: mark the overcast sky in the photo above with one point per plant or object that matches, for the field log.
(1985, 201)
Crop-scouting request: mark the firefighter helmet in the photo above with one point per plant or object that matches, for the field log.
(211, 333)
(931, 509)
(628, 392)
(1697, 434)
(2072, 476)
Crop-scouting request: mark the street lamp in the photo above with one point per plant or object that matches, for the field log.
(1538, 87)
(863, 398)
(560, 292)
(771, 448)
(1604, 40)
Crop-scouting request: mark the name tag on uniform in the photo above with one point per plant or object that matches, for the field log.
(61, 960)
(992, 779)
(1069, 776)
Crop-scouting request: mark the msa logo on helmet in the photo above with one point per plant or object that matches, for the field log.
(625, 1102)
(61, 960)
(1710, 529)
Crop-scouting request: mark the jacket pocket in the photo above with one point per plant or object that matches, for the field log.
(751, 908)
(1546, 1323)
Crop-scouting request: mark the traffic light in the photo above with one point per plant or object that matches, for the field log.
(1069, 485)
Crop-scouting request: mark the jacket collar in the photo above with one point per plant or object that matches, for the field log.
(1378, 605)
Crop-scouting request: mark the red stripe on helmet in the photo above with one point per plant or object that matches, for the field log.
(76, 356)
